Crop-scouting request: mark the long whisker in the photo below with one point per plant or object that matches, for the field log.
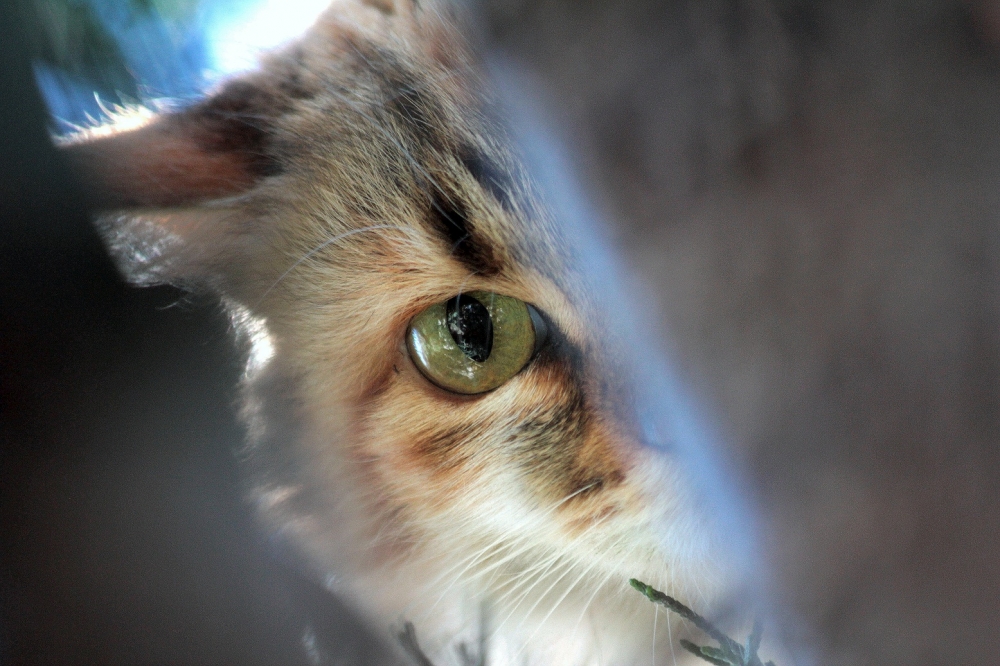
(527, 579)
(545, 594)
(590, 600)
(541, 576)
(670, 641)
(572, 586)
(481, 554)
(542, 516)
(656, 616)
(325, 244)
(470, 561)
(597, 589)
(528, 583)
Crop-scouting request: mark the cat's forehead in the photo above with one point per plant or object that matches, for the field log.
(404, 130)
(396, 186)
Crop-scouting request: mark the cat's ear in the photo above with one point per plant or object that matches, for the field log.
(211, 150)
(167, 184)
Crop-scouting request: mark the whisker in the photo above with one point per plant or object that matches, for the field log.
(471, 561)
(584, 574)
(597, 589)
(670, 640)
(325, 244)
(656, 616)
(529, 585)
(586, 606)
(499, 538)
(545, 594)
(554, 559)
(529, 577)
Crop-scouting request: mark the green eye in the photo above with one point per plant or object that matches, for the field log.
(474, 342)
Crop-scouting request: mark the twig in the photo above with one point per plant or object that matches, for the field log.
(729, 652)
(408, 639)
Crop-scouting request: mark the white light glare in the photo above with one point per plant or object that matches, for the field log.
(238, 43)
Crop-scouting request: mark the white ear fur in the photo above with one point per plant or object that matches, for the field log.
(185, 247)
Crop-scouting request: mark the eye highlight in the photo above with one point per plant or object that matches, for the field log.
(475, 341)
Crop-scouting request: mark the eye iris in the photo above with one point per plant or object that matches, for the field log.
(471, 327)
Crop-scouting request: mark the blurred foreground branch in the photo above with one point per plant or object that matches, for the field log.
(729, 652)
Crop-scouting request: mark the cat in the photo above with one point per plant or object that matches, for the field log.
(808, 186)
(441, 421)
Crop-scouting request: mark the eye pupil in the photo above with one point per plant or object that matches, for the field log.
(471, 327)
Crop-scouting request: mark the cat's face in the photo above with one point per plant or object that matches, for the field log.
(339, 200)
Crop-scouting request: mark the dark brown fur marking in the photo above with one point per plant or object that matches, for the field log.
(385, 6)
(420, 114)
(442, 451)
(448, 216)
(293, 83)
(562, 454)
(487, 173)
(421, 119)
(239, 120)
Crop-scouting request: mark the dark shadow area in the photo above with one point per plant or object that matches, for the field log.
(123, 533)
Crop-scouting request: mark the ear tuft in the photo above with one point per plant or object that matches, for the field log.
(167, 182)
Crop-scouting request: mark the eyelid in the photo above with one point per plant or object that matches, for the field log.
(541, 328)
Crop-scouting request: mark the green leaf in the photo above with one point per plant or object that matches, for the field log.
(718, 653)
(700, 652)
(729, 652)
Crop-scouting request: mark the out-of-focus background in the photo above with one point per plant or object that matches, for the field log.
(813, 191)
(123, 535)
(809, 190)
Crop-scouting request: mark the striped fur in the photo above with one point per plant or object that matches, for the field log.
(355, 179)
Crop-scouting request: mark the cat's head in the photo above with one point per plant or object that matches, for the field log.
(436, 408)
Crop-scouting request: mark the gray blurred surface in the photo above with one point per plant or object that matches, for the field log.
(811, 190)
(123, 539)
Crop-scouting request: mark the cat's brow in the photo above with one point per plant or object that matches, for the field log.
(487, 173)
(449, 216)
(413, 104)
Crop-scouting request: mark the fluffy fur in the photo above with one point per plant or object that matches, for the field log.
(354, 180)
